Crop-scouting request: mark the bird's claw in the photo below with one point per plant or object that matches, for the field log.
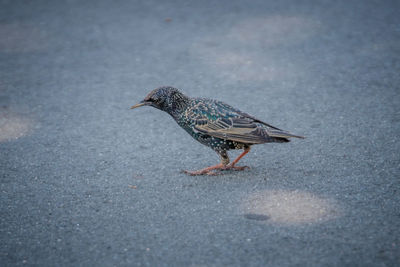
(214, 172)
(201, 172)
(238, 168)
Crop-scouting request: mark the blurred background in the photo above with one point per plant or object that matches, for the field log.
(86, 182)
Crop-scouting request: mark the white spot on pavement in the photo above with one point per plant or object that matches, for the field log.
(13, 125)
(290, 207)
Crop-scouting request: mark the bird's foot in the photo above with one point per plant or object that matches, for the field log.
(206, 171)
(200, 172)
(236, 168)
(213, 169)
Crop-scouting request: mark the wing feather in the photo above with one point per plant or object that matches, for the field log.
(236, 129)
(232, 124)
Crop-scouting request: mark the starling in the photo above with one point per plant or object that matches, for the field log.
(215, 124)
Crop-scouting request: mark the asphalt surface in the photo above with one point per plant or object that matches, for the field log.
(87, 182)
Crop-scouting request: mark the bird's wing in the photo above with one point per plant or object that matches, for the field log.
(244, 114)
(271, 130)
(239, 130)
(224, 122)
(220, 120)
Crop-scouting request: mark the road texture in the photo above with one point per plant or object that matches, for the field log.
(87, 182)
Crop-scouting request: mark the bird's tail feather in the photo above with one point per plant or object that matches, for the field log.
(281, 140)
(282, 134)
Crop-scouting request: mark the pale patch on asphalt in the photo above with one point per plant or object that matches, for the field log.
(251, 49)
(290, 207)
(13, 125)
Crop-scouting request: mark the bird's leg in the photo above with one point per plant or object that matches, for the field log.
(232, 165)
(210, 170)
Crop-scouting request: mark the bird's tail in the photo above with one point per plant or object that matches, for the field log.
(282, 134)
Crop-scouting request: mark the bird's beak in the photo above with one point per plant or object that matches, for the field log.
(142, 103)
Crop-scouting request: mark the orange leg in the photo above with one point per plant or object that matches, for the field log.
(222, 166)
(232, 165)
(208, 170)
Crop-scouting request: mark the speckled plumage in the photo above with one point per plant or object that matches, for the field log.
(215, 124)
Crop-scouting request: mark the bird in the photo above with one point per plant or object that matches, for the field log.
(215, 124)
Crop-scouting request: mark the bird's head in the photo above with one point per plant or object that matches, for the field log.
(165, 98)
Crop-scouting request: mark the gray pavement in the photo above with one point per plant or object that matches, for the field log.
(87, 182)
